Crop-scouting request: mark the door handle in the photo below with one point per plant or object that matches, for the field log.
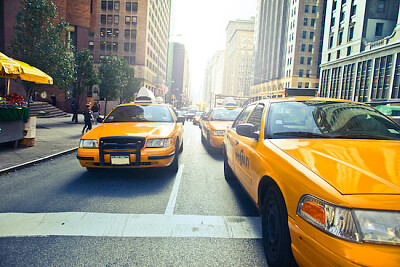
(236, 142)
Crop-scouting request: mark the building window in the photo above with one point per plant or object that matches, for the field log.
(133, 34)
(134, 7)
(127, 33)
(102, 45)
(334, 5)
(340, 37)
(307, 85)
(329, 57)
(302, 60)
(103, 5)
(304, 35)
(299, 85)
(338, 54)
(91, 45)
(109, 19)
(381, 6)
(379, 29)
(132, 60)
(115, 46)
(308, 73)
(311, 35)
(333, 21)
(127, 20)
(116, 5)
(128, 6)
(310, 48)
(351, 32)
(301, 72)
(306, 8)
(331, 41)
(314, 9)
(116, 19)
(102, 32)
(134, 20)
(115, 32)
(305, 23)
(312, 22)
(126, 47)
(109, 33)
(110, 5)
(353, 10)
(309, 61)
(133, 47)
(103, 19)
(108, 46)
(349, 50)
(303, 47)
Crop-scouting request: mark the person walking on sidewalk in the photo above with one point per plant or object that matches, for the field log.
(87, 114)
(74, 108)
(96, 112)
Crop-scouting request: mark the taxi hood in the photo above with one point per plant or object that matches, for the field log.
(143, 129)
(351, 166)
(220, 125)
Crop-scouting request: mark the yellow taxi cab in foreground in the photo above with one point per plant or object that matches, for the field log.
(325, 175)
(134, 135)
(214, 124)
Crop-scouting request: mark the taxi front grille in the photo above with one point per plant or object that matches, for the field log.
(121, 145)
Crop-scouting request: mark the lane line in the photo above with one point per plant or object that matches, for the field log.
(174, 194)
(128, 225)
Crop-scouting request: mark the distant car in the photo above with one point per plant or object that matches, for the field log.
(196, 118)
(135, 135)
(189, 115)
(180, 114)
(324, 174)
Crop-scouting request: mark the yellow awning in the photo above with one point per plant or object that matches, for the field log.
(9, 67)
(32, 74)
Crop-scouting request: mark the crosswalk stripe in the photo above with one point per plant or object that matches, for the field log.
(128, 225)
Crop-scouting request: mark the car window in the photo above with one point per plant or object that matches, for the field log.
(242, 117)
(222, 114)
(328, 119)
(137, 113)
(256, 117)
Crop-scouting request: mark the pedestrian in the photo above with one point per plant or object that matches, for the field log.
(74, 108)
(53, 100)
(87, 114)
(96, 111)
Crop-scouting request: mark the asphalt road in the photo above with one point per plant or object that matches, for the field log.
(57, 214)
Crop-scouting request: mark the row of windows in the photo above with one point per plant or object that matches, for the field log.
(115, 5)
(307, 9)
(372, 80)
(113, 46)
(338, 52)
(114, 19)
(130, 59)
(312, 22)
(114, 33)
(304, 35)
(340, 36)
(307, 74)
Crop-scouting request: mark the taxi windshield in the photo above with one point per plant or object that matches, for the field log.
(329, 119)
(222, 114)
(137, 113)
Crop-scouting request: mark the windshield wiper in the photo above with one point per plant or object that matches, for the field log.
(365, 136)
(302, 134)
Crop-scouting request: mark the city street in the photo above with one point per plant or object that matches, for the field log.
(58, 214)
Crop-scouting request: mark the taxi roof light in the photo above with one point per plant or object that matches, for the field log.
(159, 100)
(229, 102)
(145, 96)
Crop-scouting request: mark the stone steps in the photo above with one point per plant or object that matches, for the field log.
(45, 110)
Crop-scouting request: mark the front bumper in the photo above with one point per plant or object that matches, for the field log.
(320, 249)
(216, 141)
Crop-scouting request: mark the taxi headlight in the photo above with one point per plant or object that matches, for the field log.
(164, 142)
(219, 133)
(88, 143)
(351, 224)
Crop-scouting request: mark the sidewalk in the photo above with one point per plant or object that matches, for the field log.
(54, 136)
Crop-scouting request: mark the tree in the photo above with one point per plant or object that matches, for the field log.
(132, 84)
(39, 40)
(85, 73)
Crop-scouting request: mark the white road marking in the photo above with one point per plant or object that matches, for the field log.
(128, 225)
(174, 194)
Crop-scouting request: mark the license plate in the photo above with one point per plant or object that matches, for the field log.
(120, 160)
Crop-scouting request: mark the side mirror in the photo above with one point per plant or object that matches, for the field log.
(180, 119)
(247, 130)
(100, 119)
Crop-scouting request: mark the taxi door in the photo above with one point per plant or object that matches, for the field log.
(206, 124)
(246, 156)
(232, 138)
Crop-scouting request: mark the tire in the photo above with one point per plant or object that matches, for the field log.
(275, 230)
(203, 140)
(174, 166)
(228, 173)
(181, 148)
(91, 170)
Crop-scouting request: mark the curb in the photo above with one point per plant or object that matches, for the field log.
(32, 162)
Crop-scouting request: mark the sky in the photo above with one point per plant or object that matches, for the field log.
(201, 25)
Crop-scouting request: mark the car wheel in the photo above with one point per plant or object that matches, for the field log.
(90, 169)
(175, 162)
(181, 148)
(203, 140)
(275, 230)
(228, 173)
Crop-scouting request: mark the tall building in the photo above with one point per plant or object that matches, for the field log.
(138, 31)
(361, 50)
(238, 57)
(214, 77)
(288, 38)
(179, 92)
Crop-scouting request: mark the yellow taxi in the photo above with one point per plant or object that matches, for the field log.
(135, 135)
(325, 175)
(196, 118)
(215, 122)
